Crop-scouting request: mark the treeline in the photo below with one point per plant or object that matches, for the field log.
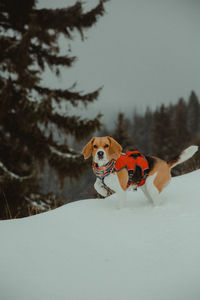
(164, 132)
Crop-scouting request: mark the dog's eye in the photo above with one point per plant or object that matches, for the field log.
(95, 147)
(106, 146)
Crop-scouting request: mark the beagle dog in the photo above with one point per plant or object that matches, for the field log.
(106, 152)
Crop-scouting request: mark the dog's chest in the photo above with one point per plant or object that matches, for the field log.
(112, 182)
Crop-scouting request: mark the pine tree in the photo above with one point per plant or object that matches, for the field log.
(163, 134)
(194, 114)
(180, 124)
(120, 133)
(142, 126)
(138, 125)
(148, 122)
(29, 115)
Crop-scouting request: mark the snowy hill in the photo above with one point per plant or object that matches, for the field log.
(90, 250)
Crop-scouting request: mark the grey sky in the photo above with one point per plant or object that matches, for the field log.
(144, 52)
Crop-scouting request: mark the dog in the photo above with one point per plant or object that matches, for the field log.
(152, 178)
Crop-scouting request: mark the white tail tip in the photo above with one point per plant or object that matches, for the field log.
(187, 153)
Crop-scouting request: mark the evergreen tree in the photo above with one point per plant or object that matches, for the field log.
(148, 117)
(194, 114)
(163, 134)
(142, 126)
(121, 131)
(138, 122)
(29, 115)
(180, 124)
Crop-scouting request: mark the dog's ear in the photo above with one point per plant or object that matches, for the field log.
(87, 150)
(115, 148)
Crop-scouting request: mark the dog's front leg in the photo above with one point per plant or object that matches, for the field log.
(113, 183)
(99, 187)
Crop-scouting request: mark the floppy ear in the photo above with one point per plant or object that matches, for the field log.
(87, 150)
(115, 148)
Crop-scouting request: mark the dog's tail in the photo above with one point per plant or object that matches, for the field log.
(183, 156)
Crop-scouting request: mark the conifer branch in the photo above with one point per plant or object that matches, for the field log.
(43, 55)
(65, 20)
(12, 175)
(73, 97)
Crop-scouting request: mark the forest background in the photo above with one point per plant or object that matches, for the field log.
(44, 126)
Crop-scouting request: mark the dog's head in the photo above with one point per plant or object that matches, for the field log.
(102, 149)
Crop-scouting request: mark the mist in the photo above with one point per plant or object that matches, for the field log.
(143, 53)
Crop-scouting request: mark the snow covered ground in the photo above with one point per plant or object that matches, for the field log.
(90, 250)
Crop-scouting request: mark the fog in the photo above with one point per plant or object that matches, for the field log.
(143, 52)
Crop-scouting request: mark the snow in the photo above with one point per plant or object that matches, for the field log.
(65, 155)
(11, 174)
(90, 250)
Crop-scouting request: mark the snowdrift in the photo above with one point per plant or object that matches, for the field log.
(90, 250)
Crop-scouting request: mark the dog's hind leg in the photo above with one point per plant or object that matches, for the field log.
(144, 189)
(151, 191)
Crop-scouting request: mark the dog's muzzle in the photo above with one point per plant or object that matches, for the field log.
(101, 158)
(100, 154)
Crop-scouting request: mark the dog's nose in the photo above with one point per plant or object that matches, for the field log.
(100, 154)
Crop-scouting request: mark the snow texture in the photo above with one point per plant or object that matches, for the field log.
(90, 250)
(65, 155)
(11, 174)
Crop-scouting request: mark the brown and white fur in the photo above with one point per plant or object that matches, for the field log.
(104, 149)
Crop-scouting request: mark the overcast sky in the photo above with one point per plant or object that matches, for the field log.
(144, 52)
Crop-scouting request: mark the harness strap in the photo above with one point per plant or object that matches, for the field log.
(109, 191)
(135, 163)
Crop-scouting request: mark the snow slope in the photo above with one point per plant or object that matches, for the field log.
(90, 250)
